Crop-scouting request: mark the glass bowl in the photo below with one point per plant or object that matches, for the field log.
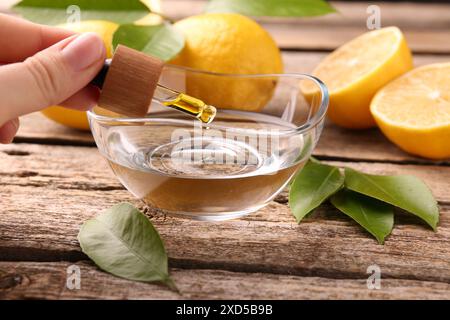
(264, 132)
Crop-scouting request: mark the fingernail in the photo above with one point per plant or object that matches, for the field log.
(83, 51)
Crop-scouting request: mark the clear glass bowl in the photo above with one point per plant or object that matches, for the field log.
(264, 132)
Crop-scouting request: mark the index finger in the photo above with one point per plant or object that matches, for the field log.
(20, 39)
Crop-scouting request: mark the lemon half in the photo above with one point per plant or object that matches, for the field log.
(357, 70)
(413, 111)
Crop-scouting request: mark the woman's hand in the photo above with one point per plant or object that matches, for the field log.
(42, 66)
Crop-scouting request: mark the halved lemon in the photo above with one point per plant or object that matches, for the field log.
(413, 111)
(355, 71)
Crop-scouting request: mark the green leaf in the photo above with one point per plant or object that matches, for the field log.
(162, 41)
(122, 241)
(312, 186)
(406, 192)
(59, 11)
(276, 8)
(375, 216)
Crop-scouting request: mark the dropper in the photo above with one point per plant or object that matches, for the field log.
(129, 81)
(185, 103)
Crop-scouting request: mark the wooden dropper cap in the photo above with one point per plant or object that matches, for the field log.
(128, 82)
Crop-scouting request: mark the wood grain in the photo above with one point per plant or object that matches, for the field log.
(83, 167)
(31, 280)
(44, 206)
(41, 224)
(37, 128)
(426, 26)
(304, 62)
(407, 15)
(130, 82)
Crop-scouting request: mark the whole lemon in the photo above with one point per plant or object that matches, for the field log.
(231, 44)
(74, 118)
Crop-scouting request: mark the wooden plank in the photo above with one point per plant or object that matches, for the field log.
(49, 193)
(304, 62)
(369, 145)
(38, 128)
(407, 15)
(83, 168)
(44, 228)
(426, 26)
(31, 280)
(313, 38)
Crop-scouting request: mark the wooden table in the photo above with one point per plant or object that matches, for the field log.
(52, 179)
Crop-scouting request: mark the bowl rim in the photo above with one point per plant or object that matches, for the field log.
(311, 123)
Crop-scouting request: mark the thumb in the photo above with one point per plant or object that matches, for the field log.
(49, 77)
